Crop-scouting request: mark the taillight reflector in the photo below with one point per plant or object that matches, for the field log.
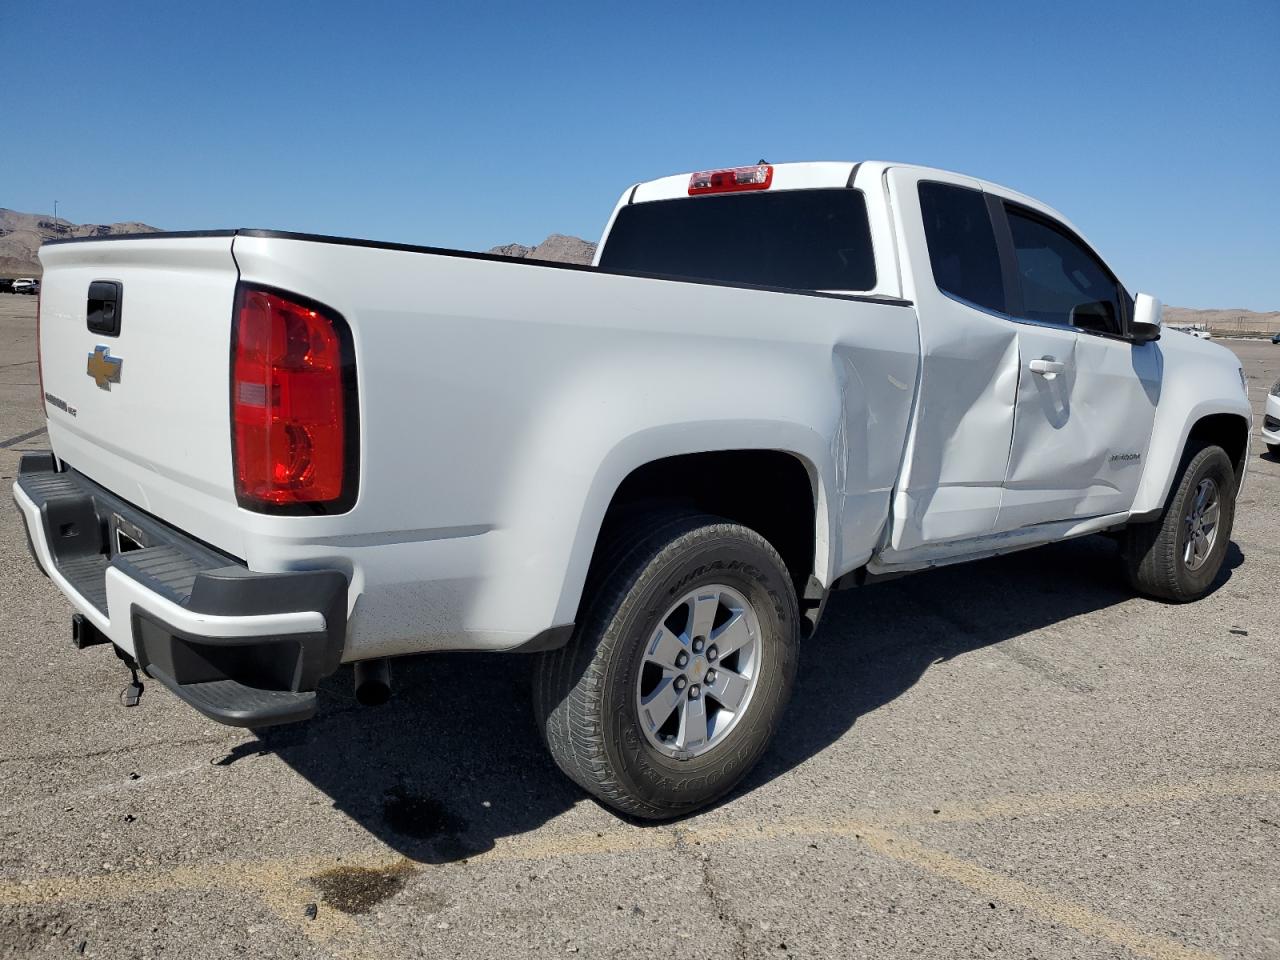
(758, 176)
(291, 412)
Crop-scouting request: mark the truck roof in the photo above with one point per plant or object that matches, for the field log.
(816, 174)
(809, 175)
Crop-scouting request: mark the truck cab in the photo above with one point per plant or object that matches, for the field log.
(1039, 381)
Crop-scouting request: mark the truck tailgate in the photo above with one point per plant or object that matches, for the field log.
(143, 409)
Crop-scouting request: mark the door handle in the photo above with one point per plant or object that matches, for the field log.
(1047, 367)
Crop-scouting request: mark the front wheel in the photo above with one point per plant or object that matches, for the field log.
(1178, 556)
(679, 671)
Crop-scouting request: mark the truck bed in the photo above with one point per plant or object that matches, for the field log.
(501, 401)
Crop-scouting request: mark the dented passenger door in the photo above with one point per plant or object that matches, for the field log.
(1086, 394)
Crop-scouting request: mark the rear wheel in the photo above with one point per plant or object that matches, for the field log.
(1178, 556)
(679, 672)
(1274, 448)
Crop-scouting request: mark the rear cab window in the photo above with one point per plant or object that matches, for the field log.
(816, 239)
(962, 246)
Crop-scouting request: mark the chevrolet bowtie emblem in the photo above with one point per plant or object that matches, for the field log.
(104, 368)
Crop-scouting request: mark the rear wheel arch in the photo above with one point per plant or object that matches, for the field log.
(779, 494)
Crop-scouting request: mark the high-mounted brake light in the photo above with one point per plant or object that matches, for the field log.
(292, 404)
(758, 176)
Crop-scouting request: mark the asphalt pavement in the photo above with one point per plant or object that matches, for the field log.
(1012, 758)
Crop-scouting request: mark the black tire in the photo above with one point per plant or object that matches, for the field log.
(584, 693)
(1274, 448)
(1154, 552)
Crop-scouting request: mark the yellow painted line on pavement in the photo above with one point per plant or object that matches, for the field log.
(1034, 900)
(544, 846)
(1147, 795)
(283, 892)
(284, 884)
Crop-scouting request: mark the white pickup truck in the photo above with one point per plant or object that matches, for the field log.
(275, 453)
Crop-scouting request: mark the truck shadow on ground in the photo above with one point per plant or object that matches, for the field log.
(453, 762)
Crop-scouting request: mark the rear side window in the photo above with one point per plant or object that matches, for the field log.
(1061, 280)
(796, 239)
(962, 244)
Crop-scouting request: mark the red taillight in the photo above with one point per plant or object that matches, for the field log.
(755, 177)
(289, 404)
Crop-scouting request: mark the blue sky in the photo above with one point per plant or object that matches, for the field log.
(1155, 126)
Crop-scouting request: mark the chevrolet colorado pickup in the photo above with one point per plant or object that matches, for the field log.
(274, 453)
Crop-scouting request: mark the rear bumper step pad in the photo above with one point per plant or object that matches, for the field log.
(232, 675)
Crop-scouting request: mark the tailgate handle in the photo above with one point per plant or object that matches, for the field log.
(103, 309)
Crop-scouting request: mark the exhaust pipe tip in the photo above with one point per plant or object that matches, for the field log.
(373, 682)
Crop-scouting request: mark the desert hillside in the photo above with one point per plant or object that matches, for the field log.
(557, 247)
(22, 233)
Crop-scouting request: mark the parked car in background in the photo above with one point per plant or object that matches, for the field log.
(1276, 337)
(1271, 417)
(26, 285)
(273, 453)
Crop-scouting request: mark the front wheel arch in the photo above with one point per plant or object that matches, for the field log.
(1172, 443)
(1155, 552)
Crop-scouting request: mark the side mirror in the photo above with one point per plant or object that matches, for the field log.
(1146, 319)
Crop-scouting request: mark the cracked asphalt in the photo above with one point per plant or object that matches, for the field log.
(1011, 758)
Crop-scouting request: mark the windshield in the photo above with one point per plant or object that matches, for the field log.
(796, 239)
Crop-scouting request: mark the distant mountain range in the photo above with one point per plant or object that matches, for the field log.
(22, 233)
(557, 247)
